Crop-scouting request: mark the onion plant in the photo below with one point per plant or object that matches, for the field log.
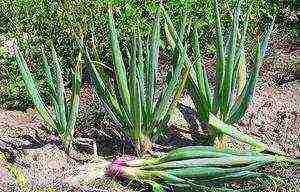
(228, 102)
(61, 120)
(130, 96)
(195, 167)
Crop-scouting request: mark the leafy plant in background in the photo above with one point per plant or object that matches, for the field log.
(130, 97)
(62, 118)
(200, 168)
(12, 96)
(223, 109)
(59, 19)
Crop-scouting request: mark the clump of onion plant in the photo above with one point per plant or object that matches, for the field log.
(227, 104)
(129, 97)
(62, 119)
(194, 167)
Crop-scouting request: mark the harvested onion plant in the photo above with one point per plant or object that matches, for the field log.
(195, 167)
(227, 104)
(129, 97)
(61, 120)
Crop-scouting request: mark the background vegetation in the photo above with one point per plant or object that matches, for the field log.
(37, 21)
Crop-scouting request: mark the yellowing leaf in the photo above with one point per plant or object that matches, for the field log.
(170, 41)
(242, 73)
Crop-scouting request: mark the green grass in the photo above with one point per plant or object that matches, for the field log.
(41, 20)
